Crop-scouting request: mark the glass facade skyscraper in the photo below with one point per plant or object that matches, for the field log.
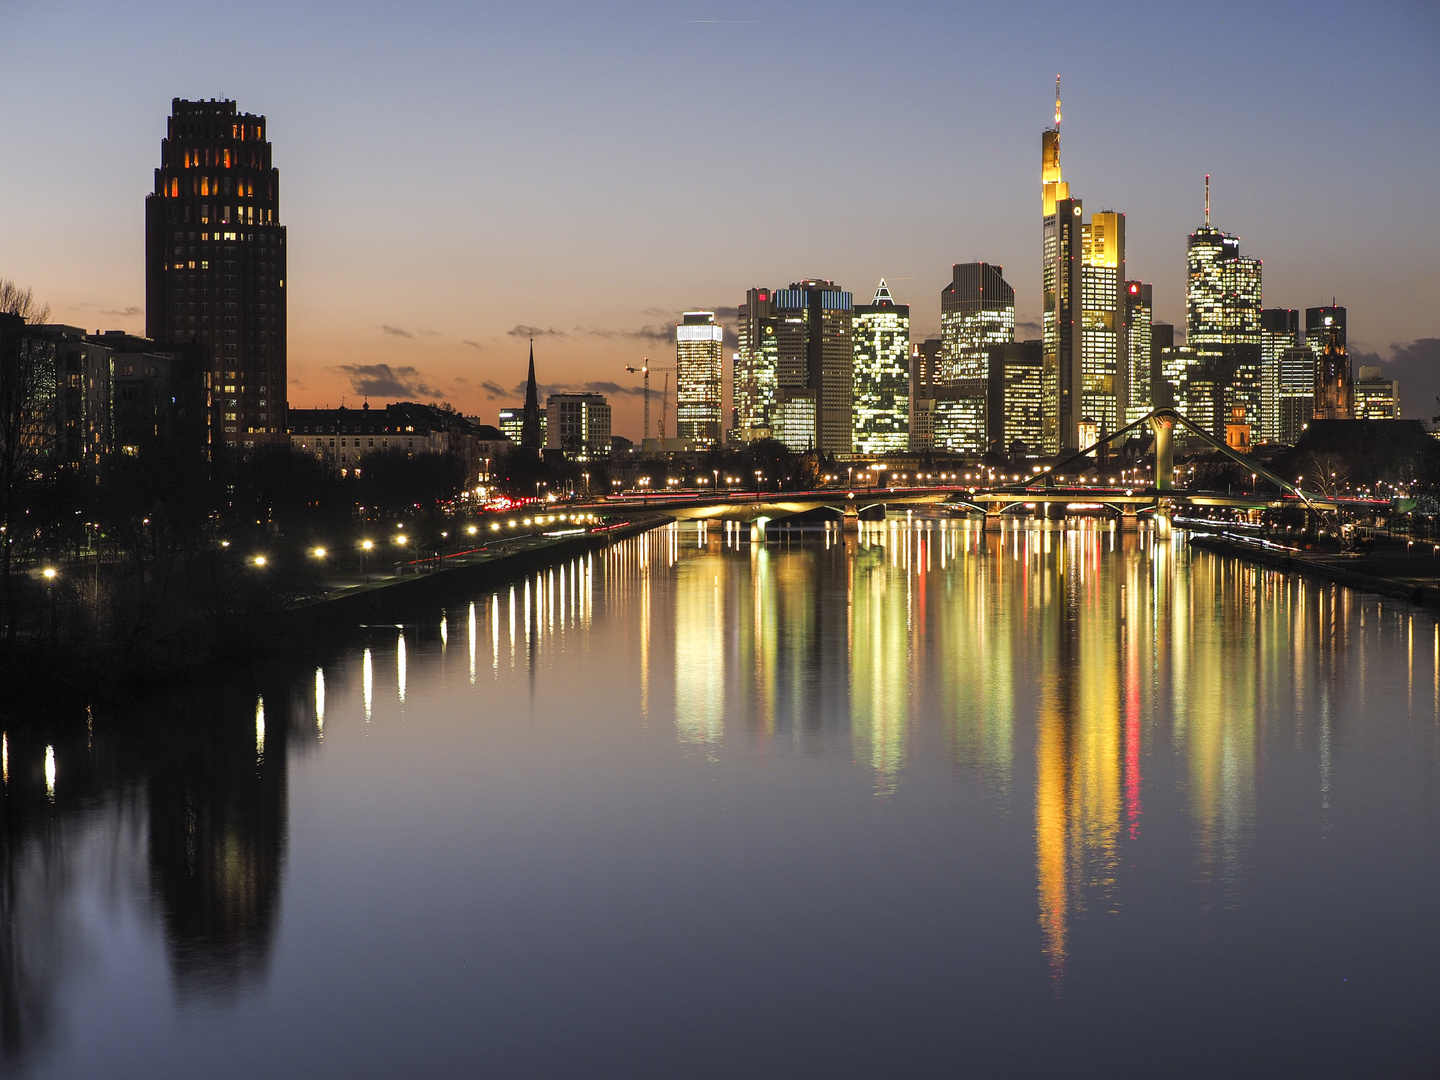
(215, 255)
(1139, 314)
(881, 333)
(699, 378)
(977, 310)
(757, 366)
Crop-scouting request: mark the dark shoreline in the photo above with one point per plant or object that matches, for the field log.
(40, 681)
(1296, 563)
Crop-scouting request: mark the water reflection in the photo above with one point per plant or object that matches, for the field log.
(178, 811)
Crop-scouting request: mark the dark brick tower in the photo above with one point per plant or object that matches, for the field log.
(215, 263)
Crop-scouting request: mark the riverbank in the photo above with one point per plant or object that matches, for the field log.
(1381, 571)
(387, 599)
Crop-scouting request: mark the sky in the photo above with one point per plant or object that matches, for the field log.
(457, 177)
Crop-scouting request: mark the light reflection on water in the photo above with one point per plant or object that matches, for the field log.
(1113, 755)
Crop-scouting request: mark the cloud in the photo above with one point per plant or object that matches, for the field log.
(611, 388)
(395, 331)
(123, 313)
(1417, 368)
(494, 390)
(472, 344)
(521, 330)
(381, 380)
(1029, 328)
(431, 333)
(660, 334)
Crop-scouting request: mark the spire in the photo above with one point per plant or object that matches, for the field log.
(1207, 200)
(1057, 102)
(882, 296)
(530, 418)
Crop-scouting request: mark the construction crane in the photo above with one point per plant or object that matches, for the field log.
(645, 369)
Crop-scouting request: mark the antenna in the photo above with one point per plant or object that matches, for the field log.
(1057, 102)
(1207, 200)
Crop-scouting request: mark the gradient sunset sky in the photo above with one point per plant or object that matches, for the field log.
(456, 176)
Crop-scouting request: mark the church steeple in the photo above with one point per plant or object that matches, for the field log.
(530, 419)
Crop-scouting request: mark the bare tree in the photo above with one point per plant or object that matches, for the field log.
(26, 422)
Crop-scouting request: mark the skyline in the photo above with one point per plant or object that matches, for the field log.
(555, 190)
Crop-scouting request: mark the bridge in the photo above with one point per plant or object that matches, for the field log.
(1042, 494)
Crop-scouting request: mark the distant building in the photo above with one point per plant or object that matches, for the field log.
(815, 359)
(343, 437)
(1162, 392)
(215, 256)
(1376, 397)
(578, 425)
(757, 366)
(1323, 323)
(1295, 394)
(1015, 391)
(1334, 381)
(1139, 314)
(881, 335)
(699, 378)
(1223, 291)
(957, 416)
(511, 423)
(924, 376)
(1279, 332)
(977, 310)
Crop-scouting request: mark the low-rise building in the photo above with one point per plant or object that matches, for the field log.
(344, 436)
(578, 425)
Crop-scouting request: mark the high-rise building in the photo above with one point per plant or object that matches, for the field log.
(1279, 332)
(1162, 390)
(1139, 314)
(1061, 240)
(1015, 405)
(924, 376)
(757, 366)
(1323, 322)
(977, 310)
(215, 255)
(1334, 381)
(1376, 397)
(815, 358)
(1222, 295)
(1083, 333)
(1104, 351)
(578, 425)
(1222, 314)
(1295, 393)
(881, 334)
(699, 375)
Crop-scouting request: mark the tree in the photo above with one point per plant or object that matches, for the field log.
(27, 385)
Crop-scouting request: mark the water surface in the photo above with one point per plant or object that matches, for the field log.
(924, 801)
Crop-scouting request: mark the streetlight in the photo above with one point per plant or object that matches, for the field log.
(259, 560)
(318, 553)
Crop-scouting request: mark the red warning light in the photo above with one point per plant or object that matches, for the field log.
(1134, 289)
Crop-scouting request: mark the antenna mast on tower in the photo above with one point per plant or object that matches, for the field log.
(1207, 200)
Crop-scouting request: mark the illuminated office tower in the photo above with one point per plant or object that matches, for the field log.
(1222, 295)
(957, 416)
(1376, 397)
(1279, 331)
(815, 362)
(1162, 391)
(215, 263)
(1334, 381)
(924, 376)
(1295, 406)
(1103, 349)
(757, 366)
(699, 375)
(1062, 239)
(1321, 323)
(1138, 316)
(881, 333)
(1015, 392)
(578, 425)
(977, 310)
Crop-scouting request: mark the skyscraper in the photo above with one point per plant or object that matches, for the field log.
(881, 334)
(1295, 393)
(815, 360)
(757, 366)
(1376, 397)
(1139, 314)
(1062, 239)
(1222, 315)
(699, 374)
(1279, 332)
(977, 310)
(1084, 339)
(215, 262)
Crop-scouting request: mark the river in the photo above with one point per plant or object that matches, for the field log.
(922, 801)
